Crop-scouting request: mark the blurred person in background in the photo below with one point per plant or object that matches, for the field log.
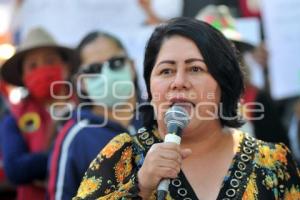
(239, 8)
(28, 130)
(294, 131)
(190, 64)
(82, 17)
(257, 106)
(7, 191)
(158, 11)
(107, 87)
(155, 12)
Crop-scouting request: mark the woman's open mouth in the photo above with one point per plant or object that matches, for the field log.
(183, 102)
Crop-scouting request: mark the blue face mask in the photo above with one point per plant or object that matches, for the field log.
(111, 85)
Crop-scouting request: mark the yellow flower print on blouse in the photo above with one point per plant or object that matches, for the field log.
(114, 145)
(280, 154)
(270, 181)
(251, 190)
(292, 194)
(95, 165)
(118, 194)
(123, 167)
(271, 174)
(114, 195)
(265, 157)
(88, 186)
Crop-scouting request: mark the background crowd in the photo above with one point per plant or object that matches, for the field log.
(49, 133)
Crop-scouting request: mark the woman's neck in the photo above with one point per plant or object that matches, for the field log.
(205, 139)
(201, 138)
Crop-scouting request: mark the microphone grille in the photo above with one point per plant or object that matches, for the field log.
(178, 115)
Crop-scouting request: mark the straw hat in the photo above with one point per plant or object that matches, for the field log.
(37, 38)
(220, 18)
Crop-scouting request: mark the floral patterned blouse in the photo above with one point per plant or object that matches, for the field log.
(258, 171)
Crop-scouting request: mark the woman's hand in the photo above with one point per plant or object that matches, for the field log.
(163, 160)
(260, 55)
(151, 16)
(145, 4)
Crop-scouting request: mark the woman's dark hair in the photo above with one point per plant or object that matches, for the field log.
(90, 37)
(219, 55)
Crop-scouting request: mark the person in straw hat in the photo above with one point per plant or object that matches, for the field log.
(28, 130)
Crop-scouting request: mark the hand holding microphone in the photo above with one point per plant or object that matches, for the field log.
(163, 160)
(176, 119)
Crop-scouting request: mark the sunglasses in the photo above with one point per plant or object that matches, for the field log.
(115, 63)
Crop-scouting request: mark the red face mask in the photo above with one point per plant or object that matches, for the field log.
(39, 80)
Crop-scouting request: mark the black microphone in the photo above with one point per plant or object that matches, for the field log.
(176, 118)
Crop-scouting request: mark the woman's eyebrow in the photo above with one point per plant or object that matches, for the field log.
(172, 62)
(167, 62)
(190, 60)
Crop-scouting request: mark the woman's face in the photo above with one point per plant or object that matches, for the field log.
(100, 50)
(43, 57)
(180, 76)
(106, 74)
